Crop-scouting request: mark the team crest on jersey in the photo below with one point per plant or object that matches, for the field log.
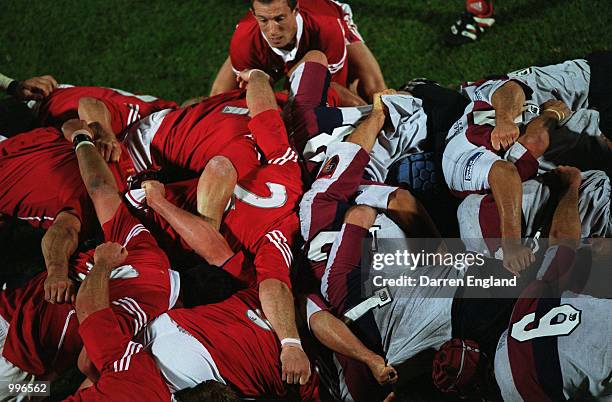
(470, 166)
(256, 318)
(329, 168)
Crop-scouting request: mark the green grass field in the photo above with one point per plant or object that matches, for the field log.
(173, 49)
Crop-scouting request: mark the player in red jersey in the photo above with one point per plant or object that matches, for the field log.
(262, 219)
(199, 336)
(44, 188)
(144, 286)
(37, 339)
(275, 36)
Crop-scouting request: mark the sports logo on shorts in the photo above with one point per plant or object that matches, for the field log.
(470, 165)
(257, 319)
(329, 168)
(235, 110)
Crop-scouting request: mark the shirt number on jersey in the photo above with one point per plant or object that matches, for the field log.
(277, 198)
(558, 321)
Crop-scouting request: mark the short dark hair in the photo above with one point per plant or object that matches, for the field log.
(206, 284)
(292, 3)
(209, 391)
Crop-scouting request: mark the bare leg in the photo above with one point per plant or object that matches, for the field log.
(215, 187)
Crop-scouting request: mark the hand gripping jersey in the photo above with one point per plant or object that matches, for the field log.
(125, 109)
(557, 345)
(250, 49)
(143, 287)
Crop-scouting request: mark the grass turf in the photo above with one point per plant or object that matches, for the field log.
(173, 50)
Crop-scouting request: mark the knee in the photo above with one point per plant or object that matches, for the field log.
(316, 56)
(536, 142)
(361, 215)
(220, 167)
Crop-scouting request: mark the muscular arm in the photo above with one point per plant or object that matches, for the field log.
(277, 305)
(335, 335)
(58, 244)
(508, 103)
(347, 98)
(566, 228)
(99, 181)
(364, 67)
(97, 115)
(259, 94)
(200, 235)
(365, 135)
(225, 80)
(507, 190)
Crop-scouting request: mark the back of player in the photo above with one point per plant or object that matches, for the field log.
(558, 343)
(28, 158)
(125, 109)
(186, 139)
(232, 330)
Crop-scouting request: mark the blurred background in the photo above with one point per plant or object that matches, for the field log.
(173, 49)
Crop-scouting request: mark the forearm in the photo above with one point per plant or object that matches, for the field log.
(60, 242)
(347, 98)
(259, 94)
(366, 133)
(95, 172)
(566, 227)
(277, 305)
(508, 101)
(93, 294)
(200, 235)
(335, 335)
(507, 190)
(93, 110)
(225, 80)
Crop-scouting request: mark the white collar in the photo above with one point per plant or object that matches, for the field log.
(289, 55)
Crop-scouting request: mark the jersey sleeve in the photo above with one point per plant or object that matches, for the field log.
(274, 255)
(483, 90)
(242, 49)
(333, 44)
(104, 341)
(270, 134)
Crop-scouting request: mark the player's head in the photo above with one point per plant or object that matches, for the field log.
(209, 391)
(206, 284)
(277, 20)
(461, 368)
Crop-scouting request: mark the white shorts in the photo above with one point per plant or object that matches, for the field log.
(182, 359)
(139, 138)
(9, 373)
(466, 166)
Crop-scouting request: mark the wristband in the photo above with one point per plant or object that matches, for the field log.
(80, 138)
(560, 115)
(81, 132)
(82, 143)
(292, 342)
(12, 87)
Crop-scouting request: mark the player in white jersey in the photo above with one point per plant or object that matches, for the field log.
(479, 222)
(557, 343)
